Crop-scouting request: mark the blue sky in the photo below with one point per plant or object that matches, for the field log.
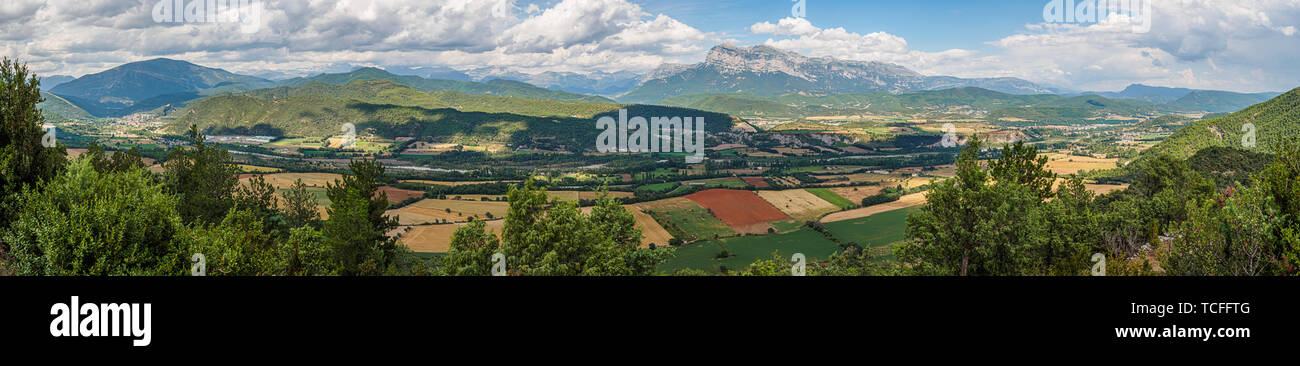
(1238, 45)
(927, 25)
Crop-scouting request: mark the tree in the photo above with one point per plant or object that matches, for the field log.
(994, 221)
(357, 228)
(549, 237)
(84, 222)
(1231, 235)
(299, 207)
(203, 178)
(24, 158)
(470, 252)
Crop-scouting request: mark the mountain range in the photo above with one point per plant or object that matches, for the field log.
(766, 71)
(1189, 100)
(145, 85)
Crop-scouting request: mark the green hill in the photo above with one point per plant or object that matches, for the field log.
(391, 110)
(57, 109)
(505, 88)
(1275, 120)
(1216, 101)
(970, 101)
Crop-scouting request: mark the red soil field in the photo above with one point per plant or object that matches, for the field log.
(756, 182)
(396, 195)
(742, 211)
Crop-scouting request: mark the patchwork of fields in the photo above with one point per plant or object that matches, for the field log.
(801, 205)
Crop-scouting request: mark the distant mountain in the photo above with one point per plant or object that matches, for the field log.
(594, 83)
(764, 70)
(1189, 100)
(49, 82)
(497, 87)
(430, 72)
(968, 101)
(146, 85)
(390, 110)
(1217, 101)
(1274, 121)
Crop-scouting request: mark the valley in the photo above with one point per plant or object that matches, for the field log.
(786, 170)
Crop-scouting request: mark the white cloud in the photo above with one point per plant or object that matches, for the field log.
(312, 35)
(1247, 45)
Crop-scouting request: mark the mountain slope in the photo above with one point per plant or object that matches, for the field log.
(56, 109)
(1217, 101)
(767, 71)
(494, 87)
(391, 110)
(145, 85)
(1275, 120)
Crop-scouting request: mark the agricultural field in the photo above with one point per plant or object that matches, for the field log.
(285, 180)
(872, 231)
(430, 210)
(585, 195)
(452, 184)
(1062, 164)
(396, 195)
(437, 238)
(718, 183)
(857, 193)
(744, 250)
(756, 182)
(832, 197)
(742, 211)
(801, 205)
(911, 200)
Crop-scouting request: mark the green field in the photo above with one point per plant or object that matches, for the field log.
(658, 187)
(746, 249)
(697, 222)
(831, 197)
(719, 183)
(873, 231)
(785, 226)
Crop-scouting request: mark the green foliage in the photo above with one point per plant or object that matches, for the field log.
(1008, 227)
(84, 222)
(24, 161)
(203, 179)
(1274, 122)
(553, 238)
(1227, 236)
(300, 206)
(357, 228)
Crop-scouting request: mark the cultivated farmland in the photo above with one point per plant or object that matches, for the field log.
(430, 210)
(799, 204)
(742, 211)
(911, 200)
(744, 250)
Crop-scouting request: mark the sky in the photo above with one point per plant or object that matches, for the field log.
(1238, 45)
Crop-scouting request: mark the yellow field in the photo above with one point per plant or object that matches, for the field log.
(1105, 188)
(437, 238)
(258, 169)
(798, 204)
(1069, 164)
(915, 199)
(430, 210)
(856, 194)
(285, 180)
